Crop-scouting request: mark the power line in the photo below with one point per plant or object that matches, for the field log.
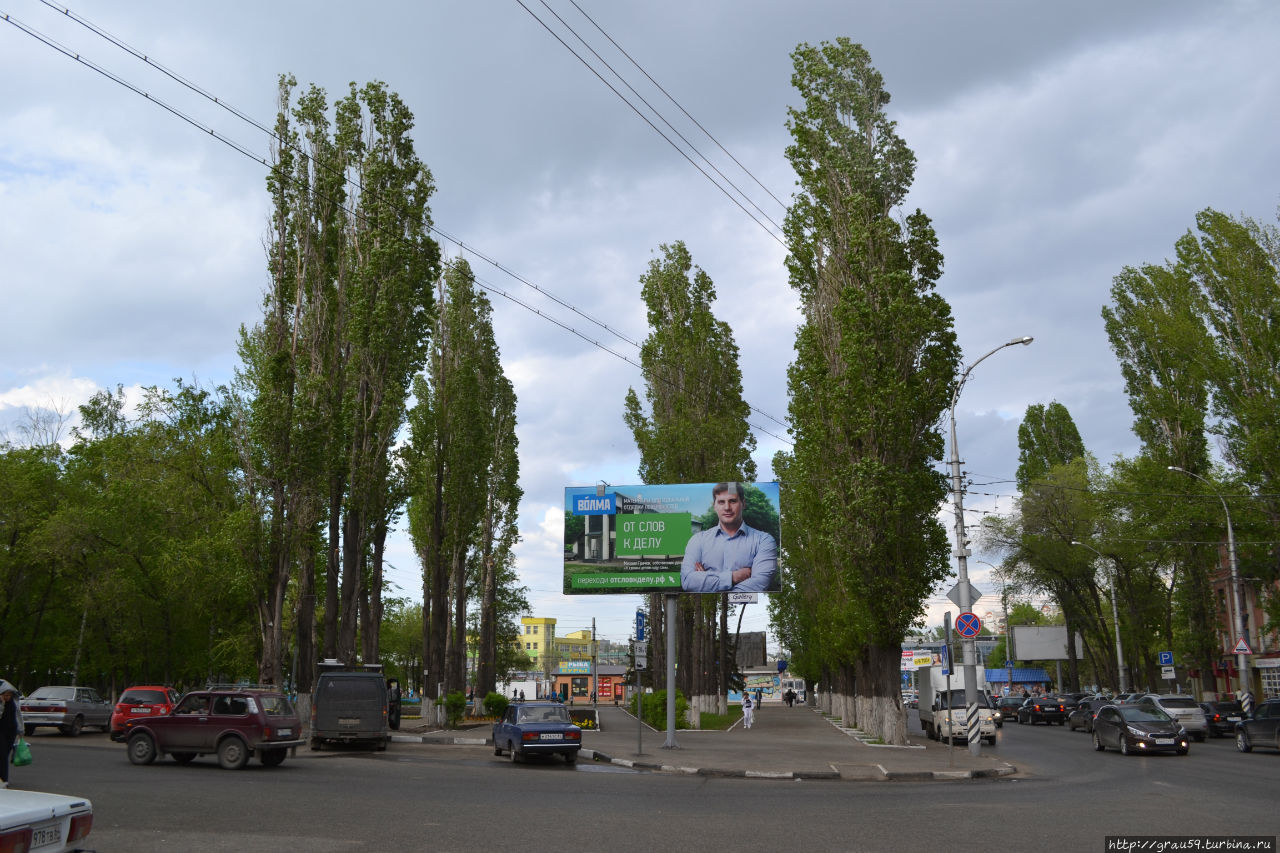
(651, 107)
(647, 121)
(678, 105)
(244, 150)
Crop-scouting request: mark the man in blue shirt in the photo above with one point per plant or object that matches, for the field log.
(731, 555)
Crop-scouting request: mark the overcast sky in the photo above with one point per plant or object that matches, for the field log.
(1056, 143)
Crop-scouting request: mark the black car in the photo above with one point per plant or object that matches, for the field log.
(1222, 717)
(1043, 709)
(1262, 730)
(1136, 729)
(1081, 716)
(1008, 707)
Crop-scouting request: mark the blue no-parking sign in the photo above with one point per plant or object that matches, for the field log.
(968, 625)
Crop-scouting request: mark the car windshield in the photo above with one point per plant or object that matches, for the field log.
(547, 714)
(63, 693)
(275, 705)
(143, 697)
(1178, 702)
(1143, 714)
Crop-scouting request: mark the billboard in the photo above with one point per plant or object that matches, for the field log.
(685, 537)
(1043, 642)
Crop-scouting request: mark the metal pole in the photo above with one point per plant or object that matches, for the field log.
(962, 552)
(671, 674)
(1242, 660)
(1115, 613)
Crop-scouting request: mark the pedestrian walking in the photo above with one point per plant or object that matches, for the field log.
(748, 711)
(10, 727)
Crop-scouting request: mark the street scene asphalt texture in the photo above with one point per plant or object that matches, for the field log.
(783, 743)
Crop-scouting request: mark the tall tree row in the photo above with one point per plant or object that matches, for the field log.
(326, 374)
(875, 364)
(463, 470)
(695, 431)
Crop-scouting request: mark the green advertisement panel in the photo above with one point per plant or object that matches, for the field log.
(686, 537)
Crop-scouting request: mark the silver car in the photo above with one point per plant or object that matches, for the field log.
(1184, 709)
(69, 709)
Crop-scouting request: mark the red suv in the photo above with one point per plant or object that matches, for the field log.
(146, 700)
(232, 723)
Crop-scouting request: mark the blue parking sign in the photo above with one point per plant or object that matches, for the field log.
(1166, 658)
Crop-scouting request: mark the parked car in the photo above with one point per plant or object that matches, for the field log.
(143, 700)
(1182, 708)
(48, 823)
(69, 709)
(1139, 728)
(537, 728)
(1043, 709)
(1081, 716)
(233, 723)
(1262, 729)
(1127, 698)
(1222, 717)
(350, 706)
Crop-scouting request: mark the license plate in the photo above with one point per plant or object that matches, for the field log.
(1164, 741)
(1233, 719)
(550, 737)
(48, 835)
(348, 721)
(140, 710)
(285, 732)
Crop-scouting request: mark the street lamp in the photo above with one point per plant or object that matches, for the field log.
(1115, 616)
(961, 552)
(1242, 660)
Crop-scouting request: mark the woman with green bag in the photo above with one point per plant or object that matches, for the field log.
(10, 727)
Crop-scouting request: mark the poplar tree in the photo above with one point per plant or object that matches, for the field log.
(695, 431)
(875, 363)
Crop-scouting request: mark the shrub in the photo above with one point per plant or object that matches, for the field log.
(495, 705)
(455, 706)
(655, 709)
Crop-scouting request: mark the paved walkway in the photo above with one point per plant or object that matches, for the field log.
(784, 743)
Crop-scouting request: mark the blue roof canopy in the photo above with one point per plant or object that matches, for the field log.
(1020, 676)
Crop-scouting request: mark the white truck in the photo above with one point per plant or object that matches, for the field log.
(940, 713)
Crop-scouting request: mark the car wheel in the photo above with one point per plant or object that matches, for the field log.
(1124, 745)
(142, 748)
(232, 754)
(497, 748)
(183, 757)
(1199, 736)
(515, 754)
(272, 757)
(74, 729)
(315, 744)
(991, 740)
(1184, 751)
(28, 730)
(1097, 741)
(1242, 741)
(571, 758)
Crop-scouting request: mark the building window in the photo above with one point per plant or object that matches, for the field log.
(535, 629)
(526, 646)
(535, 647)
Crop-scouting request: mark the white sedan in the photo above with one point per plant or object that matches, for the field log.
(43, 823)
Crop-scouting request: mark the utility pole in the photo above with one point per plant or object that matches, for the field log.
(962, 551)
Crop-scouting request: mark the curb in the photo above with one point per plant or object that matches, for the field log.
(885, 776)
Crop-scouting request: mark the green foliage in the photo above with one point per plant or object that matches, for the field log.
(720, 722)
(495, 704)
(875, 362)
(655, 709)
(455, 707)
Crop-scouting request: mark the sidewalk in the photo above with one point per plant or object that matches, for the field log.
(784, 743)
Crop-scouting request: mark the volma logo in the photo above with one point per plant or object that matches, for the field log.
(595, 505)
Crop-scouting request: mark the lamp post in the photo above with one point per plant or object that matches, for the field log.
(1115, 617)
(1242, 660)
(962, 568)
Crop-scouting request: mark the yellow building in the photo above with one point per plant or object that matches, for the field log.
(538, 637)
(576, 645)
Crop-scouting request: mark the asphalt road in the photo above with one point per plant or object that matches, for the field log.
(463, 798)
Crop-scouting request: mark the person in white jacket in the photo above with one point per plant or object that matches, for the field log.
(10, 727)
(748, 711)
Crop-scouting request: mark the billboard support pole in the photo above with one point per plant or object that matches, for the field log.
(671, 673)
